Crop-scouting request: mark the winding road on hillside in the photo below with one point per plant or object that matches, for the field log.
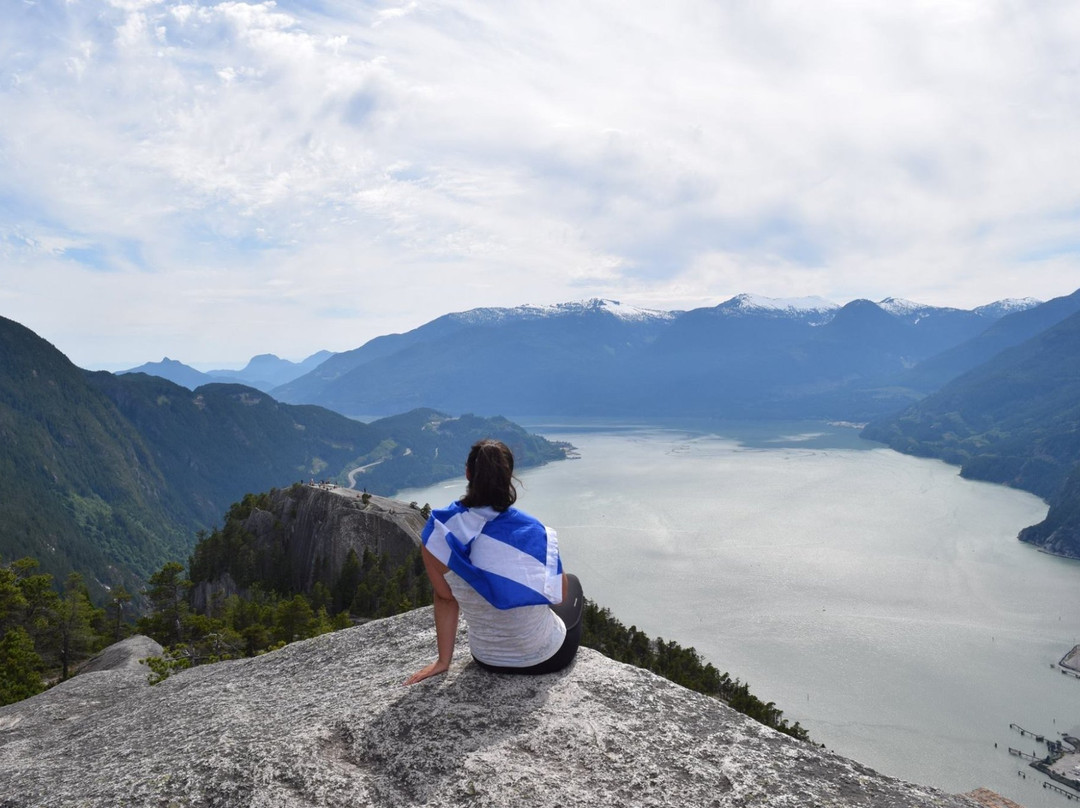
(362, 469)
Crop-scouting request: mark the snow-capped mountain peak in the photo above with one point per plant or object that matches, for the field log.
(1010, 305)
(623, 311)
(901, 307)
(802, 307)
(913, 312)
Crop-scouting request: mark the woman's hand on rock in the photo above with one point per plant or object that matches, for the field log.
(433, 669)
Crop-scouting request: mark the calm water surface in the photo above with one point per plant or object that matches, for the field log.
(879, 599)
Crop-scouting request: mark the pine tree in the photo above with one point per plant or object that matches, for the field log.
(347, 581)
(12, 602)
(74, 624)
(20, 667)
(294, 620)
(168, 596)
(120, 598)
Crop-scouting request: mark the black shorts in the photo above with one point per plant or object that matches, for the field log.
(569, 611)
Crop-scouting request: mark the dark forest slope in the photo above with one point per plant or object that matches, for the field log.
(79, 487)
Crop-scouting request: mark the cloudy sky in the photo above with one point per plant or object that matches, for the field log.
(213, 180)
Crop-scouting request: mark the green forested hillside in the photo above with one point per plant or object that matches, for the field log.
(110, 476)
(438, 445)
(220, 441)
(1013, 420)
(1059, 533)
(79, 487)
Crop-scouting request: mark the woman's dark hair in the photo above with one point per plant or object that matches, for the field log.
(490, 470)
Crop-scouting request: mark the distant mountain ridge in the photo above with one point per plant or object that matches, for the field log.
(445, 332)
(1017, 326)
(173, 370)
(749, 356)
(916, 311)
(263, 372)
(266, 371)
(813, 309)
(491, 316)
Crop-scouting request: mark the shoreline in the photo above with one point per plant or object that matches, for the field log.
(1042, 549)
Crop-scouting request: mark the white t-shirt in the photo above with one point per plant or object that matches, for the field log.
(510, 638)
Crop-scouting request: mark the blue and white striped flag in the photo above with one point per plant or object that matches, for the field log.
(509, 557)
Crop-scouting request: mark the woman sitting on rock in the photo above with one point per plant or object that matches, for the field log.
(500, 567)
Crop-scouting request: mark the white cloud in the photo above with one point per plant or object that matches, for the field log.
(402, 160)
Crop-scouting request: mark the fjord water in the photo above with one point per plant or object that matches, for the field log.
(879, 599)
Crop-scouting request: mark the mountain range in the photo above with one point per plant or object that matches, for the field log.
(263, 372)
(747, 357)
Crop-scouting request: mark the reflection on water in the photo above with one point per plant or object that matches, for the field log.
(879, 599)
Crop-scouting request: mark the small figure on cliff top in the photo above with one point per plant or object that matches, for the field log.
(499, 567)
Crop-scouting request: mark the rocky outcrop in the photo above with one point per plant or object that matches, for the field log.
(320, 525)
(315, 526)
(327, 722)
(124, 655)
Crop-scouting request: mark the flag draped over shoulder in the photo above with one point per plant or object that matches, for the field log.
(508, 557)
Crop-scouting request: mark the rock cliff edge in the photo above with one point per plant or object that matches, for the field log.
(327, 722)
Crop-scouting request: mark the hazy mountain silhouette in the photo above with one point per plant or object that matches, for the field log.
(747, 357)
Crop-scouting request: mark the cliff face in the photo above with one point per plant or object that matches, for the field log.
(327, 722)
(320, 526)
(314, 528)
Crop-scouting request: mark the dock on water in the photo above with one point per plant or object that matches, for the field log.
(1061, 762)
(1027, 734)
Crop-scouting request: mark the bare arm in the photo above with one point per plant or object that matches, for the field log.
(446, 619)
